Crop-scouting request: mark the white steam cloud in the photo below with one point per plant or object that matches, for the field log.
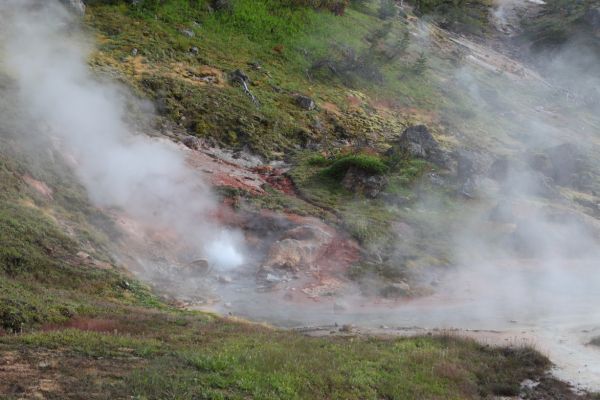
(146, 178)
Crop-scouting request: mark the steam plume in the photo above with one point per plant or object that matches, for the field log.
(147, 178)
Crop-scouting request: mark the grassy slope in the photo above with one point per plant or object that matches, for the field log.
(90, 336)
(148, 350)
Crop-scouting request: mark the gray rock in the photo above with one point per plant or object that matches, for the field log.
(191, 142)
(188, 32)
(305, 102)
(76, 6)
(417, 142)
(499, 169)
(465, 166)
(194, 50)
(395, 290)
(592, 18)
(220, 5)
(359, 181)
(239, 76)
(564, 164)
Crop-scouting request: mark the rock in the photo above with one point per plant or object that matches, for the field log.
(468, 188)
(347, 328)
(192, 142)
(219, 5)
(592, 18)
(306, 232)
(188, 32)
(396, 290)
(568, 164)
(564, 164)
(297, 249)
(44, 365)
(290, 255)
(499, 169)
(239, 76)
(305, 102)
(196, 268)
(271, 278)
(465, 166)
(194, 50)
(75, 6)
(417, 142)
(134, 52)
(225, 279)
(360, 181)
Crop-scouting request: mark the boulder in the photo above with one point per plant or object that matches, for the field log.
(239, 76)
(76, 6)
(465, 166)
(305, 102)
(592, 18)
(417, 142)
(396, 290)
(297, 249)
(360, 181)
(564, 164)
(466, 172)
(192, 142)
(499, 169)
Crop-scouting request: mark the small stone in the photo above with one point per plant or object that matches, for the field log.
(44, 365)
(272, 278)
(225, 279)
(134, 52)
(194, 50)
(347, 328)
(188, 32)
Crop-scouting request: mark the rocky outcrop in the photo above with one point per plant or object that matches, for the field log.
(298, 249)
(417, 142)
(592, 18)
(305, 103)
(358, 180)
(564, 164)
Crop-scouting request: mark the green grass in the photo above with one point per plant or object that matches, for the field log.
(187, 356)
(364, 162)
(285, 41)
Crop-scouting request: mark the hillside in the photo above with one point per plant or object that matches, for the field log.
(180, 178)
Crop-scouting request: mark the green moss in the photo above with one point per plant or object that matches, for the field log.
(364, 162)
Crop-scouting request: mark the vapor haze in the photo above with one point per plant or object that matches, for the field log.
(46, 54)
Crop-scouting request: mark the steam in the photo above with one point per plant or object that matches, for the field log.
(506, 11)
(146, 178)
